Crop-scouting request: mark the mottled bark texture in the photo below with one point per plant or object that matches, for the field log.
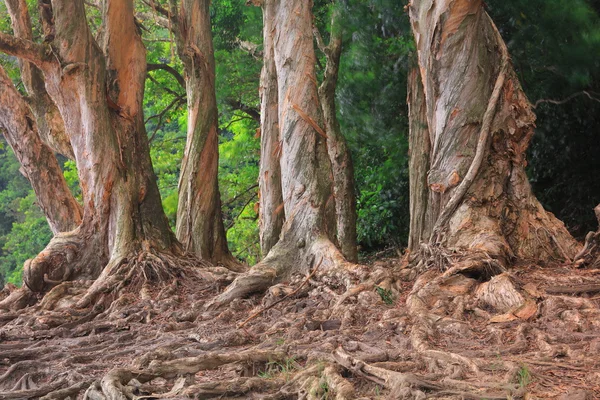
(472, 148)
(309, 206)
(199, 220)
(339, 153)
(589, 256)
(48, 120)
(99, 92)
(272, 215)
(38, 163)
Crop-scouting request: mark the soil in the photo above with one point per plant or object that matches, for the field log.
(319, 342)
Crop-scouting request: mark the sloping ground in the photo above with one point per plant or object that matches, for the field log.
(318, 343)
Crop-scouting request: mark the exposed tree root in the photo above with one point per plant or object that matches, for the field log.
(162, 343)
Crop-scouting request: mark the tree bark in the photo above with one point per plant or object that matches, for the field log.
(307, 235)
(199, 220)
(48, 120)
(339, 153)
(479, 125)
(272, 215)
(419, 151)
(38, 163)
(99, 94)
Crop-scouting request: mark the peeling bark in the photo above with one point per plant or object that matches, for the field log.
(308, 234)
(199, 220)
(339, 153)
(271, 198)
(38, 163)
(99, 94)
(479, 125)
(49, 122)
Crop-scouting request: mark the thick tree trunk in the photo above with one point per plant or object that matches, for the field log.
(479, 126)
(271, 198)
(339, 153)
(99, 95)
(49, 122)
(38, 163)
(309, 230)
(199, 220)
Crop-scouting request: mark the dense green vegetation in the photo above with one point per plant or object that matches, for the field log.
(554, 45)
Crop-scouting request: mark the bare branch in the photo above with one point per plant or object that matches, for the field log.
(170, 70)
(563, 101)
(251, 111)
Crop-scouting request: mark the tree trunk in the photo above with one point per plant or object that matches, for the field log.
(589, 256)
(199, 220)
(479, 126)
(307, 235)
(271, 198)
(50, 125)
(38, 163)
(99, 94)
(419, 150)
(339, 153)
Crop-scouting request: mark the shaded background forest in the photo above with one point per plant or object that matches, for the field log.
(554, 45)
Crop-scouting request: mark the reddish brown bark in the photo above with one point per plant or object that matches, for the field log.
(38, 163)
(49, 122)
(99, 94)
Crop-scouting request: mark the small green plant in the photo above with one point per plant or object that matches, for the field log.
(524, 376)
(377, 390)
(385, 294)
(325, 390)
(280, 341)
(285, 367)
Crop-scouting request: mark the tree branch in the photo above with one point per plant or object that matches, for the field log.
(170, 70)
(563, 101)
(24, 49)
(251, 111)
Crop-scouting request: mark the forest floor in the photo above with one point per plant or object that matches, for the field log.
(314, 344)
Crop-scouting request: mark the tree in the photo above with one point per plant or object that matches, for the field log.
(99, 92)
(339, 153)
(38, 163)
(308, 234)
(478, 124)
(199, 221)
(272, 216)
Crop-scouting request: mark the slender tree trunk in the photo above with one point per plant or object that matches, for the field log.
(48, 120)
(419, 152)
(99, 94)
(199, 220)
(272, 215)
(339, 153)
(309, 230)
(479, 126)
(38, 163)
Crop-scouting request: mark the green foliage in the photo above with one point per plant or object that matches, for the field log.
(372, 109)
(524, 376)
(24, 231)
(385, 294)
(285, 367)
(238, 173)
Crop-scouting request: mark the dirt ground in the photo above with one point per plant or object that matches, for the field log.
(319, 342)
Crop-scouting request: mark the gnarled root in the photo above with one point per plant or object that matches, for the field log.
(282, 261)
